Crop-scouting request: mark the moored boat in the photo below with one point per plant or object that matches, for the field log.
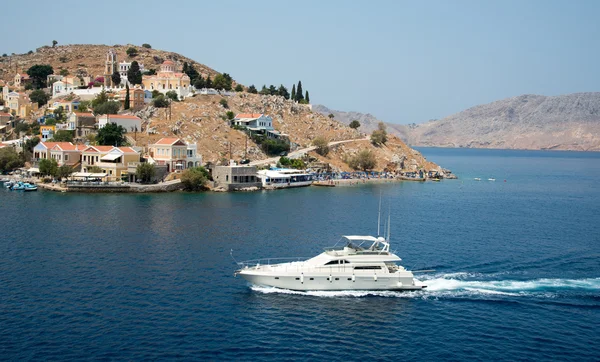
(284, 177)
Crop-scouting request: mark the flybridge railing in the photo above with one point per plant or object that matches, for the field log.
(267, 261)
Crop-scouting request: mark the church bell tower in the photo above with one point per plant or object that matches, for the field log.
(110, 66)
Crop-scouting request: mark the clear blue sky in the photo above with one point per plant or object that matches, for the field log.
(401, 61)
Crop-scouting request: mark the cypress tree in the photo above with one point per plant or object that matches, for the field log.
(307, 98)
(208, 82)
(126, 105)
(299, 95)
(134, 75)
(294, 92)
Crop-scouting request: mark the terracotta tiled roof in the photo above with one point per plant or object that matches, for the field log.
(98, 149)
(123, 116)
(84, 114)
(249, 115)
(5, 114)
(167, 141)
(67, 146)
(168, 62)
(50, 145)
(127, 149)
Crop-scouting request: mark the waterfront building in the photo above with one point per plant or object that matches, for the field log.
(66, 153)
(175, 154)
(112, 160)
(43, 149)
(235, 177)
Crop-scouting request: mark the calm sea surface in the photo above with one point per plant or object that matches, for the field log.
(133, 277)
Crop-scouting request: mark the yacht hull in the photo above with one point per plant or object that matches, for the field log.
(306, 282)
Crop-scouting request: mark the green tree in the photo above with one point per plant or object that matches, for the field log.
(147, 46)
(172, 95)
(331, 116)
(84, 106)
(230, 115)
(379, 136)
(155, 93)
(101, 98)
(116, 78)
(264, 90)
(64, 171)
(64, 72)
(208, 82)
(307, 98)
(274, 147)
(63, 136)
(161, 102)
(321, 144)
(111, 135)
(54, 42)
(59, 114)
(132, 52)
(299, 95)
(252, 89)
(191, 72)
(272, 90)
(282, 91)
(224, 103)
(222, 81)
(94, 169)
(239, 88)
(354, 124)
(134, 74)
(199, 83)
(9, 160)
(294, 92)
(40, 97)
(145, 172)
(48, 167)
(127, 99)
(365, 160)
(195, 178)
(39, 74)
(110, 107)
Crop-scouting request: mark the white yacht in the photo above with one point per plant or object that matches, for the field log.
(363, 263)
(284, 177)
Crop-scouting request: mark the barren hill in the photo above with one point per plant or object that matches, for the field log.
(202, 120)
(88, 60)
(567, 122)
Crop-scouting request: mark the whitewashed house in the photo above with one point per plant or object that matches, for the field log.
(129, 122)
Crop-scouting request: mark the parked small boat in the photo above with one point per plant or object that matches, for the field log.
(477, 179)
(491, 179)
(29, 187)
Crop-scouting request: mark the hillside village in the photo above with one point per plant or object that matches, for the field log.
(171, 113)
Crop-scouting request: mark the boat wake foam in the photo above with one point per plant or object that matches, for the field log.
(455, 285)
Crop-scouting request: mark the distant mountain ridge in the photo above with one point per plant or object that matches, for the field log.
(368, 122)
(565, 122)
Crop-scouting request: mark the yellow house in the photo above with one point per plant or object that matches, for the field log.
(111, 160)
(47, 132)
(171, 152)
(166, 79)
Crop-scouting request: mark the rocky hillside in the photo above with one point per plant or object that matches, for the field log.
(567, 122)
(368, 122)
(88, 60)
(201, 119)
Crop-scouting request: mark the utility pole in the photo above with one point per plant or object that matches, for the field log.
(246, 147)
(229, 153)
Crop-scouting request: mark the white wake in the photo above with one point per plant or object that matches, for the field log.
(457, 285)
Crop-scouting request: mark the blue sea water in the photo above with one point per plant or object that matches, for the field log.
(133, 277)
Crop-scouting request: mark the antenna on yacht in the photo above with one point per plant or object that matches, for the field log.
(389, 224)
(379, 215)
